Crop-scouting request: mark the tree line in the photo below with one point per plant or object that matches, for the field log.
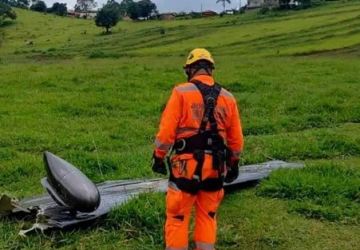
(107, 16)
(134, 10)
(112, 12)
(37, 5)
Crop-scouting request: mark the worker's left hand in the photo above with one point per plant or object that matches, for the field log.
(232, 171)
(158, 165)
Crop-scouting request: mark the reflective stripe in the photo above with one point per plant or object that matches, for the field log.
(176, 248)
(173, 185)
(162, 146)
(186, 88)
(204, 246)
(186, 129)
(226, 93)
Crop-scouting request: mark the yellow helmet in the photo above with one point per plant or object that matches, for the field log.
(197, 55)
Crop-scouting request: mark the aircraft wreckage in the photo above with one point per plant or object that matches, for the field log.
(73, 199)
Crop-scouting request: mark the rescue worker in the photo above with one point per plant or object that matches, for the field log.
(201, 128)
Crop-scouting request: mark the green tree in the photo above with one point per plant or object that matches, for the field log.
(108, 16)
(124, 6)
(224, 3)
(129, 8)
(59, 9)
(39, 6)
(85, 5)
(6, 12)
(146, 8)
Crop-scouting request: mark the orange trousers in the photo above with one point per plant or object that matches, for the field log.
(178, 211)
(179, 205)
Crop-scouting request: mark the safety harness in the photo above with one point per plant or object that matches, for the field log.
(204, 142)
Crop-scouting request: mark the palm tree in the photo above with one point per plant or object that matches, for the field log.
(224, 3)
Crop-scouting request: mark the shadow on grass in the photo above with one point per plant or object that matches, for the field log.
(6, 23)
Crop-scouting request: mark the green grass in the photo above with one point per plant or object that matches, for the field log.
(96, 100)
(324, 191)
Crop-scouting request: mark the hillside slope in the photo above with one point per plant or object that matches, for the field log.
(328, 28)
(96, 100)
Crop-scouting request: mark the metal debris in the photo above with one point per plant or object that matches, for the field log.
(49, 215)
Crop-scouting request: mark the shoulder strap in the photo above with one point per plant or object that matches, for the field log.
(210, 95)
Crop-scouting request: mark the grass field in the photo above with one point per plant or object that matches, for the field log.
(96, 100)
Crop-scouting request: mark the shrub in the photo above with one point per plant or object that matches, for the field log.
(59, 9)
(162, 31)
(264, 10)
(6, 12)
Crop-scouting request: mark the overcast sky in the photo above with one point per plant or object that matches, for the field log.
(169, 5)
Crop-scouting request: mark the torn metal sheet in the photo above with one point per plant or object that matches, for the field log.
(50, 214)
(113, 193)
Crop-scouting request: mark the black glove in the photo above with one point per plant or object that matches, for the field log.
(158, 165)
(232, 171)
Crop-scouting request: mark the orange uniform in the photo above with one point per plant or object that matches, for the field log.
(181, 119)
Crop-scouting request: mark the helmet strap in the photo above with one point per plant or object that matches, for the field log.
(190, 74)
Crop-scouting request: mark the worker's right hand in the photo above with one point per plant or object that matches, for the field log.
(232, 171)
(158, 165)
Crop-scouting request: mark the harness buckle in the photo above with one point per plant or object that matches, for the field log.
(210, 101)
(182, 146)
(196, 177)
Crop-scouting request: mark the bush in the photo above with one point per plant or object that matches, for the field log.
(264, 10)
(162, 31)
(59, 9)
(195, 15)
(6, 12)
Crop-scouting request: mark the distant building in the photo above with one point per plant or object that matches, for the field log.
(252, 4)
(126, 18)
(85, 15)
(208, 13)
(229, 12)
(167, 16)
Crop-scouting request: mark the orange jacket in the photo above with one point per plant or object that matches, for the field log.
(184, 112)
